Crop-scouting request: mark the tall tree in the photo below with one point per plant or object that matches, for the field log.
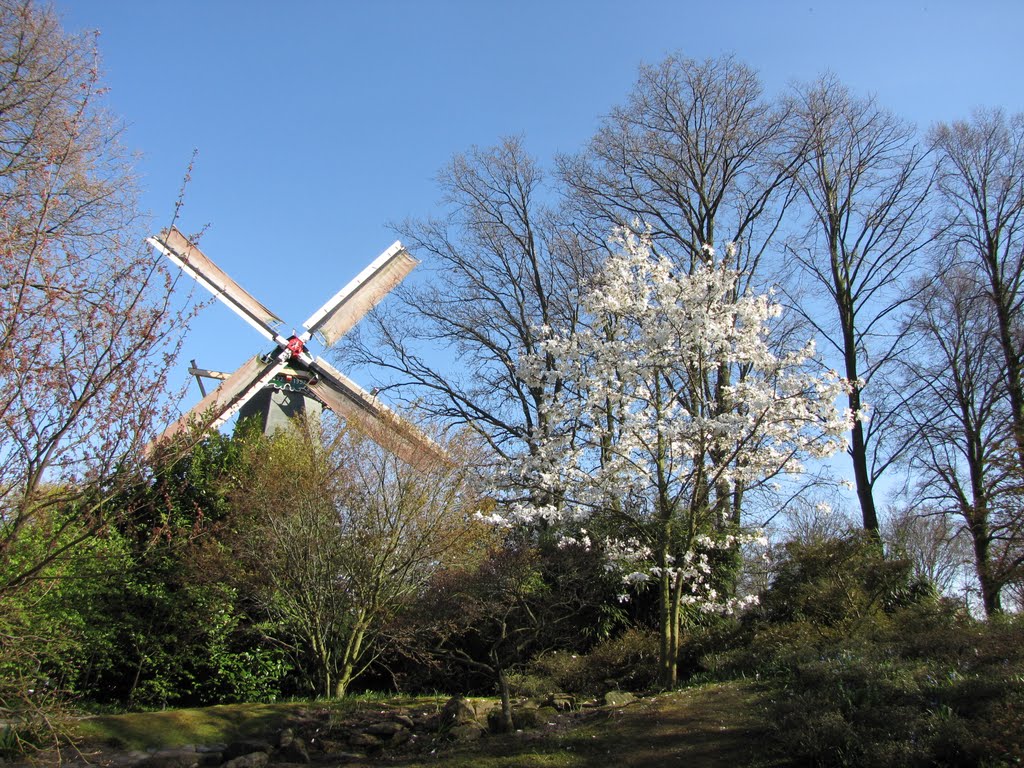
(651, 472)
(501, 270)
(863, 181)
(961, 433)
(691, 158)
(981, 184)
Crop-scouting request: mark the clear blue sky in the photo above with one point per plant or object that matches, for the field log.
(318, 122)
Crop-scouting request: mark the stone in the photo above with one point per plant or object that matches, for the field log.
(386, 728)
(247, 747)
(466, 732)
(285, 737)
(294, 751)
(252, 760)
(405, 720)
(400, 737)
(496, 722)
(562, 702)
(363, 740)
(618, 698)
(458, 711)
(526, 716)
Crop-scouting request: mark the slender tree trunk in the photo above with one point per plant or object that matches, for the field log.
(666, 650)
(504, 691)
(350, 656)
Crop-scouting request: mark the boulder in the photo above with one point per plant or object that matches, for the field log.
(466, 732)
(247, 747)
(562, 702)
(532, 716)
(405, 720)
(458, 711)
(496, 723)
(365, 740)
(385, 729)
(618, 698)
(294, 751)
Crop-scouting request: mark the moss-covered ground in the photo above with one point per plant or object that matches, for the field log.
(722, 724)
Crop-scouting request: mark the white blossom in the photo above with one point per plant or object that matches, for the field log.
(635, 415)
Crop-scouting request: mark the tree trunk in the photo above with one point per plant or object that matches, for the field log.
(507, 726)
(350, 657)
(667, 650)
(991, 598)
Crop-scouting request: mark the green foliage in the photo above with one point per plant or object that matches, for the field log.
(628, 661)
(143, 613)
(867, 667)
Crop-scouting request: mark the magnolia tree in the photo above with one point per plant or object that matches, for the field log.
(644, 446)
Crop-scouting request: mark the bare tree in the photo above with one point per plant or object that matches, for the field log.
(961, 434)
(694, 155)
(981, 183)
(938, 549)
(84, 317)
(863, 182)
(500, 270)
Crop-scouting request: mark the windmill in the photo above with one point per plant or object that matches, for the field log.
(311, 382)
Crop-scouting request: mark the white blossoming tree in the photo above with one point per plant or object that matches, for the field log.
(646, 444)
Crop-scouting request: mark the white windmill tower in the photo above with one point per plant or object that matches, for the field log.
(289, 381)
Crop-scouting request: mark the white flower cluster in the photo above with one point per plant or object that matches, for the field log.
(636, 430)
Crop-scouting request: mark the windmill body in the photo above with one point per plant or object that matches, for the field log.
(289, 380)
(282, 401)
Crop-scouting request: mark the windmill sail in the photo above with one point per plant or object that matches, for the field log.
(198, 265)
(373, 418)
(330, 322)
(343, 310)
(225, 401)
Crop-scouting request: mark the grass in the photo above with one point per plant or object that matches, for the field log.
(721, 724)
(208, 725)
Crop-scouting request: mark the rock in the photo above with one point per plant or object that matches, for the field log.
(405, 720)
(386, 729)
(561, 702)
(533, 717)
(526, 716)
(363, 740)
(294, 752)
(285, 737)
(252, 760)
(466, 732)
(496, 722)
(400, 737)
(290, 748)
(247, 747)
(618, 698)
(458, 711)
(483, 709)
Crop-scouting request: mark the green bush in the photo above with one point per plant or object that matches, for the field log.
(867, 667)
(628, 662)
